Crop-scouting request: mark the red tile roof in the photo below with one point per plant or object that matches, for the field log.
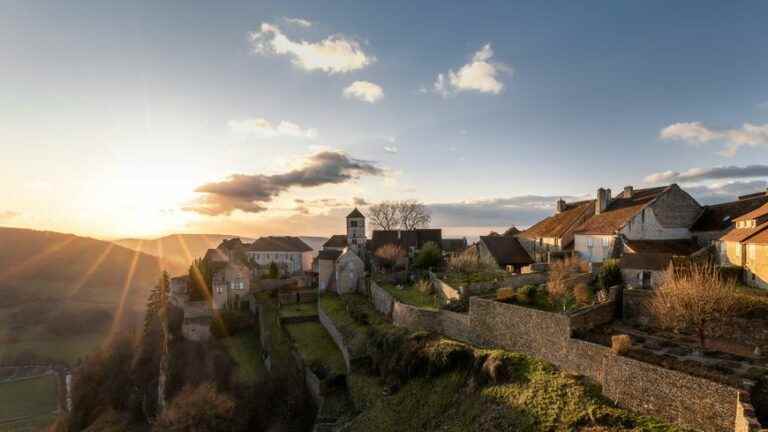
(741, 234)
(645, 261)
(557, 225)
(619, 211)
(759, 238)
(754, 214)
(675, 247)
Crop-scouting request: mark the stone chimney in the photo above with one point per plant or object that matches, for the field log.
(628, 191)
(602, 200)
(560, 207)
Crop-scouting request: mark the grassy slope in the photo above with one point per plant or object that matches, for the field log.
(31, 397)
(316, 346)
(410, 295)
(245, 350)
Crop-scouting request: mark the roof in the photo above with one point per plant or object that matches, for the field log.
(512, 231)
(754, 214)
(506, 250)
(681, 247)
(454, 245)
(645, 261)
(328, 254)
(216, 255)
(279, 244)
(355, 214)
(759, 238)
(336, 241)
(619, 211)
(557, 225)
(719, 217)
(405, 239)
(741, 234)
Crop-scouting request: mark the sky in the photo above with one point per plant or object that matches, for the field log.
(144, 118)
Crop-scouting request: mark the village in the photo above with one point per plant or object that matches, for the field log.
(598, 289)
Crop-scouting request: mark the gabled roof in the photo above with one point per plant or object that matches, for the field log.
(680, 247)
(619, 211)
(512, 231)
(216, 255)
(558, 225)
(454, 245)
(336, 241)
(719, 217)
(754, 214)
(645, 261)
(279, 244)
(355, 214)
(741, 234)
(760, 238)
(329, 255)
(506, 250)
(405, 239)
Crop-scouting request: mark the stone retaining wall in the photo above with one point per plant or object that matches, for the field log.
(382, 300)
(593, 316)
(444, 292)
(336, 335)
(511, 281)
(451, 324)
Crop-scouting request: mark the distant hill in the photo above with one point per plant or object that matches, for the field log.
(40, 265)
(177, 251)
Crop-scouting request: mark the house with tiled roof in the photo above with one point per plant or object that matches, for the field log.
(716, 220)
(342, 256)
(643, 262)
(746, 246)
(660, 213)
(555, 233)
(291, 254)
(505, 251)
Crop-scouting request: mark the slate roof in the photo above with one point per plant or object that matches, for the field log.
(355, 214)
(645, 261)
(454, 245)
(557, 225)
(619, 211)
(328, 254)
(405, 239)
(759, 238)
(719, 217)
(679, 247)
(336, 241)
(279, 244)
(506, 250)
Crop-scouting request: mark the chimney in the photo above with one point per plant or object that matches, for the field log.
(560, 207)
(628, 190)
(602, 200)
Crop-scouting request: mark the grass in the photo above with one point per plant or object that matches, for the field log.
(245, 350)
(337, 309)
(457, 279)
(60, 349)
(298, 310)
(410, 295)
(316, 346)
(30, 397)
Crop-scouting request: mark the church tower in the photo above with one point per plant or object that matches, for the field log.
(356, 231)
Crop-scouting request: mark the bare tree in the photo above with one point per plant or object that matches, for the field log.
(413, 215)
(695, 298)
(384, 215)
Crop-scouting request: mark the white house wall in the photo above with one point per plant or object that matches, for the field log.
(645, 226)
(601, 246)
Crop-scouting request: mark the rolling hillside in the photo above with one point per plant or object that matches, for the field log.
(43, 265)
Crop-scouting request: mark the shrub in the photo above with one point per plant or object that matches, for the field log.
(429, 256)
(273, 271)
(609, 274)
(730, 272)
(389, 255)
(198, 409)
(424, 286)
(620, 344)
(470, 261)
(527, 293)
(582, 293)
(506, 295)
(229, 322)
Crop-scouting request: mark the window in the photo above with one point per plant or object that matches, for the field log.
(590, 242)
(353, 224)
(606, 242)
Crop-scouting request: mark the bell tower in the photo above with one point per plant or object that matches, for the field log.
(356, 231)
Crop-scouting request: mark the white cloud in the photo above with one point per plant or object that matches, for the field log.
(696, 133)
(714, 173)
(390, 149)
(334, 54)
(478, 75)
(301, 22)
(364, 91)
(263, 129)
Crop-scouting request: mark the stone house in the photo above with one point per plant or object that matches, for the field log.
(644, 262)
(231, 278)
(505, 251)
(410, 241)
(661, 213)
(746, 246)
(327, 265)
(349, 272)
(716, 220)
(555, 233)
(291, 254)
(453, 246)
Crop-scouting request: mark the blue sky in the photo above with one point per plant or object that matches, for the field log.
(113, 116)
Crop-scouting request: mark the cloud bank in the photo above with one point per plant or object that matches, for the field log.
(7, 215)
(334, 54)
(250, 193)
(715, 173)
(520, 211)
(261, 128)
(364, 91)
(696, 133)
(480, 75)
(301, 22)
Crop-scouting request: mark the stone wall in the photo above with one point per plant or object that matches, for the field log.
(511, 281)
(451, 324)
(593, 316)
(636, 306)
(444, 292)
(336, 335)
(382, 300)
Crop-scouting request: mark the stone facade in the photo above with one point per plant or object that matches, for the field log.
(350, 272)
(231, 285)
(451, 324)
(382, 300)
(336, 335)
